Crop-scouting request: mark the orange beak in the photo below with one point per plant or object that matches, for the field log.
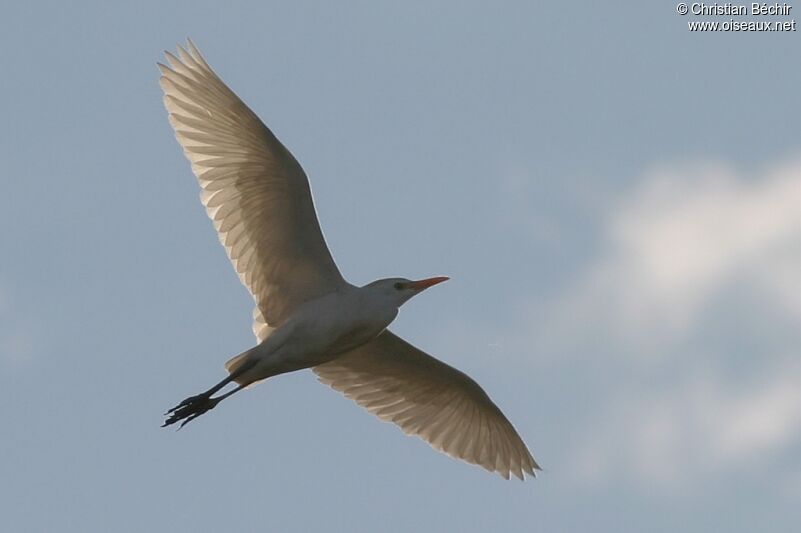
(426, 283)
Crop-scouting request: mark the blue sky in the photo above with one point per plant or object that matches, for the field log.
(617, 201)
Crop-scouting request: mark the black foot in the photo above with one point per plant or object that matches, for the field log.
(190, 409)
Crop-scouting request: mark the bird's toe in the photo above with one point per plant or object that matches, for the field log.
(189, 409)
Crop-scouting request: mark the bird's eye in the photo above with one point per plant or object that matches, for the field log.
(398, 286)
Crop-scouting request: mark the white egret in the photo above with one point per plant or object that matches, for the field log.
(306, 314)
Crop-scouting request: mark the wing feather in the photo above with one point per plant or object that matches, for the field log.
(425, 397)
(253, 189)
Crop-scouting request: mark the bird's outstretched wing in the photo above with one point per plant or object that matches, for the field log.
(425, 397)
(254, 190)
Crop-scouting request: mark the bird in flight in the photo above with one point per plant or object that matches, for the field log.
(306, 314)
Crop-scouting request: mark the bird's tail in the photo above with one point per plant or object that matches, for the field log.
(235, 363)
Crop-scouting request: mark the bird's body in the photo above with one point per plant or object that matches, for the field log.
(307, 315)
(318, 331)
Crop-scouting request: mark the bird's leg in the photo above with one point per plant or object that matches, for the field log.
(194, 406)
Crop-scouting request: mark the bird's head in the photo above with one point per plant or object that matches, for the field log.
(398, 290)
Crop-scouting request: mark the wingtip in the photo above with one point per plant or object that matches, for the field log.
(183, 54)
(196, 55)
(172, 59)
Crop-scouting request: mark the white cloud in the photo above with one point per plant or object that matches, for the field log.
(685, 237)
(690, 246)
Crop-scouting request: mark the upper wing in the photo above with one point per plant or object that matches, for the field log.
(255, 192)
(425, 397)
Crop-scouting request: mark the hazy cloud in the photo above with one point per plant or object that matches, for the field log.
(695, 427)
(16, 338)
(684, 237)
(690, 246)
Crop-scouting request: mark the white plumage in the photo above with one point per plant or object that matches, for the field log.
(307, 315)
